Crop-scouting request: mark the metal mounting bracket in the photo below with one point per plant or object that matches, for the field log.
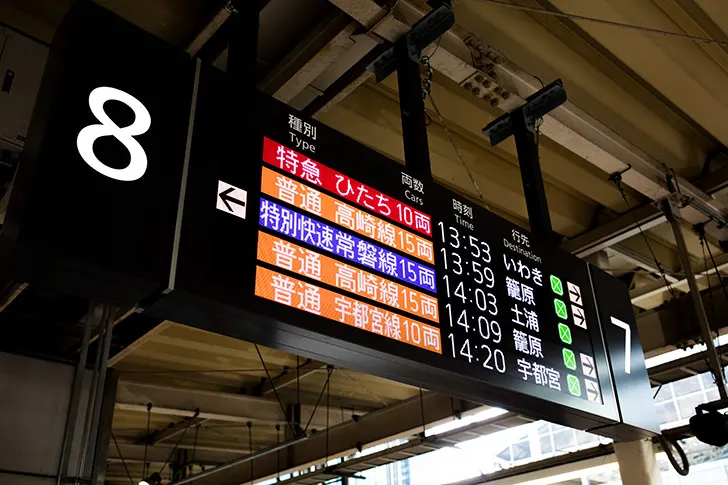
(424, 32)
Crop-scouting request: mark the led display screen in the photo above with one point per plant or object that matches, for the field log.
(345, 247)
(513, 307)
(360, 265)
(504, 307)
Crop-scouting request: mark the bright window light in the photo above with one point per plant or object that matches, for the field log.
(680, 353)
(460, 423)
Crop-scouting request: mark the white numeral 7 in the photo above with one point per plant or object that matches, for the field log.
(627, 343)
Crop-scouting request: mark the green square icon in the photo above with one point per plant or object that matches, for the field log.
(560, 308)
(574, 386)
(565, 333)
(556, 285)
(569, 359)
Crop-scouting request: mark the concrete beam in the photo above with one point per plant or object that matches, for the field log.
(185, 402)
(690, 365)
(159, 454)
(312, 56)
(615, 231)
(702, 272)
(674, 323)
(397, 420)
(568, 125)
(210, 29)
(291, 376)
(171, 431)
(568, 468)
(415, 445)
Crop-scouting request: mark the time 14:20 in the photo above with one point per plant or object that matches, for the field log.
(486, 302)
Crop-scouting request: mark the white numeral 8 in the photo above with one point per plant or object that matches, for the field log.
(87, 136)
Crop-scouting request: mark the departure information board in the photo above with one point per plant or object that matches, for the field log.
(456, 281)
(281, 231)
(325, 248)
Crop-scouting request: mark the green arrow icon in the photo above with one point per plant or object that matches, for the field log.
(560, 308)
(556, 285)
(565, 333)
(574, 386)
(569, 359)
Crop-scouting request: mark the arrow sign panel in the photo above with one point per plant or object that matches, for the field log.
(231, 199)
(579, 317)
(574, 293)
(592, 390)
(587, 366)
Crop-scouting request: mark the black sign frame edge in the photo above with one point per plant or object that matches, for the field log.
(625, 431)
(600, 353)
(206, 314)
(608, 406)
(32, 262)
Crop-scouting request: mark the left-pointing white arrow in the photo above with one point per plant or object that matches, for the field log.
(231, 199)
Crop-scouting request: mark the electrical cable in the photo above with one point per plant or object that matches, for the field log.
(318, 401)
(610, 23)
(667, 446)
(427, 92)
(537, 126)
(278, 453)
(617, 180)
(145, 465)
(121, 457)
(328, 410)
(363, 386)
(705, 244)
(717, 271)
(712, 302)
(437, 46)
(422, 413)
(250, 448)
(201, 371)
(275, 391)
(194, 445)
(179, 441)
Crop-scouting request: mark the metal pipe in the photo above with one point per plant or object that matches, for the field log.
(99, 398)
(210, 29)
(73, 403)
(412, 111)
(244, 459)
(531, 176)
(94, 312)
(673, 217)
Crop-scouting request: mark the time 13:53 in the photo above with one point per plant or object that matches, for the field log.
(472, 268)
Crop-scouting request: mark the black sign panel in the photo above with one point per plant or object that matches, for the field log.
(296, 237)
(627, 360)
(518, 312)
(286, 233)
(98, 183)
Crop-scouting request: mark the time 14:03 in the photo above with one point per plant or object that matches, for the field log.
(484, 301)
